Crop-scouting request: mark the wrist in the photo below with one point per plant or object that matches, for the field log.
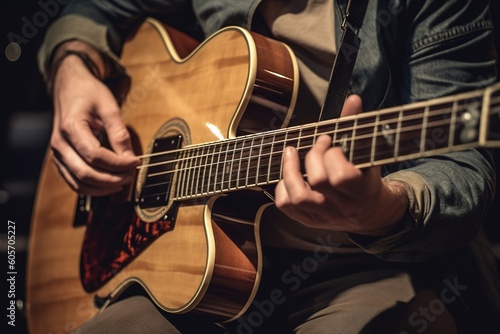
(87, 54)
(393, 208)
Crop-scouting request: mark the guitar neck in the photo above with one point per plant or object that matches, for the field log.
(374, 138)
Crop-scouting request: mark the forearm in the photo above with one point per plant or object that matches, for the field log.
(448, 199)
(448, 194)
(87, 54)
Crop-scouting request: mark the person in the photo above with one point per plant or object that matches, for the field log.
(402, 247)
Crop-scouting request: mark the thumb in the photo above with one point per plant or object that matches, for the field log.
(117, 133)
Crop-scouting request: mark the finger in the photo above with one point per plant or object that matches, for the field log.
(118, 135)
(352, 106)
(316, 173)
(80, 135)
(81, 175)
(284, 203)
(298, 192)
(341, 172)
(347, 178)
(81, 187)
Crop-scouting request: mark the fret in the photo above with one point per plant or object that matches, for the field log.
(468, 117)
(270, 158)
(438, 126)
(410, 134)
(344, 131)
(197, 170)
(249, 163)
(226, 165)
(363, 140)
(206, 163)
(237, 160)
(386, 135)
(278, 157)
(203, 165)
(209, 161)
(374, 138)
(190, 176)
(232, 171)
(353, 139)
(202, 170)
(265, 159)
(278, 174)
(292, 138)
(219, 185)
(325, 128)
(270, 170)
(257, 167)
(219, 175)
(226, 171)
(245, 153)
(398, 135)
(306, 139)
(297, 147)
(335, 132)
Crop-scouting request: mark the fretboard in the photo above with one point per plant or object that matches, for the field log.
(373, 138)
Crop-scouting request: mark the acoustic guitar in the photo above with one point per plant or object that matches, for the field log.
(209, 121)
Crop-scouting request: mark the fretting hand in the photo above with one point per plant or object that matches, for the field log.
(336, 195)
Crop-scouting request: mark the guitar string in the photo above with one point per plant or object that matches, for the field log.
(233, 143)
(237, 179)
(246, 149)
(233, 172)
(434, 113)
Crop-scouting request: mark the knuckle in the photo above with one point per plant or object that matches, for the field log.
(338, 178)
(280, 202)
(65, 127)
(311, 155)
(299, 198)
(82, 175)
(90, 156)
(54, 142)
(316, 180)
(122, 135)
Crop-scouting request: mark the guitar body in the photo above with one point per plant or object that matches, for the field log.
(200, 254)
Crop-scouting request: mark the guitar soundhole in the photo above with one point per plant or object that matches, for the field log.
(160, 170)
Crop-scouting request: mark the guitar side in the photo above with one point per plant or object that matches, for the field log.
(223, 88)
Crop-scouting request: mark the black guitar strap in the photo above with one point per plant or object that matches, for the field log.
(344, 61)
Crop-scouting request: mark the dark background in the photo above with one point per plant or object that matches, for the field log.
(25, 124)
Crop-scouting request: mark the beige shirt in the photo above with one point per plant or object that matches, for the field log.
(308, 28)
